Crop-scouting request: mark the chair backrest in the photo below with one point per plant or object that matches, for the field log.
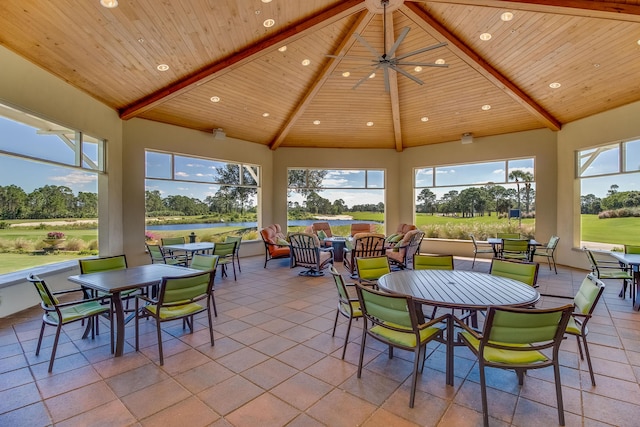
(432, 262)
(204, 262)
(405, 228)
(322, 226)
(368, 244)
(389, 311)
(340, 286)
(361, 227)
(553, 242)
(94, 265)
(508, 235)
(513, 327)
(525, 272)
(372, 268)
(515, 245)
(236, 239)
(631, 249)
(473, 239)
(588, 294)
(48, 299)
(224, 249)
(172, 241)
(179, 290)
(305, 249)
(155, 252)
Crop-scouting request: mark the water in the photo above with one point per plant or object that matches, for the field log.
(301, 222)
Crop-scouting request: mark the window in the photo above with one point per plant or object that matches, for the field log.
(319, 192)
(48, 184)
(222, 193)
(609, 178)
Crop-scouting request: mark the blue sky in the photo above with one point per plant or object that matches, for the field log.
(30, 175)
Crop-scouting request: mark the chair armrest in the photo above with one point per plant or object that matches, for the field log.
(467, 328)
(67, 291)
(80, 301)
(433, 321)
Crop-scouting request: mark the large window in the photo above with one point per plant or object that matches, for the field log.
(48, 184)
(340, 194)
(609, 178)
(214, 193)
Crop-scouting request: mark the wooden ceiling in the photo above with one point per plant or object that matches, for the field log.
(220, 48)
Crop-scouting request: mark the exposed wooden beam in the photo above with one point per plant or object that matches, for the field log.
(346, 43)
(289, 34)
(457, 46)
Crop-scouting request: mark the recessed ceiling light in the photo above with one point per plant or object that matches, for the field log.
(282, 48)
(554, 85)
(507, 16)
(485, 36)
(440, 61)
(424, 119)
(372, 75)
(596, 65)
(140, 40)
(486, 107)
(369, 124)
(269, 23)
(418, 69)
(109, 4)
(266, 1)
(346, 74)
(306, 62)
(215, 99)
(638, 41)
(316, 122)
(265, 114)
(162, 67)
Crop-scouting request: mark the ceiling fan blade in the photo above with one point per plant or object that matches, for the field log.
(404, 73)
(399, 40)
(422, 64)
(364, 79)
(352, 58)
(424, 49)
(387, 86)
(366, 44)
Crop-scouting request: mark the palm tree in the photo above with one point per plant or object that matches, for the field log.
(525, 177)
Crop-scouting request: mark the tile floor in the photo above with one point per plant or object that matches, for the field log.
(275, 363)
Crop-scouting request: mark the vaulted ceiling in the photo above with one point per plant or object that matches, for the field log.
(221, 50)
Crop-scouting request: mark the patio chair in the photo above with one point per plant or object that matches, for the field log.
(361, 227)
(514, 249)
(307, 252)
(164, 241)
(370, 269)
(393, 320)
(525, 272)
(116, 262)
(432, 262)
(610, 270)
(401, 255)
(57, 313)
(158, 255)
(178, 298)
(236, 254)
(226, 255)
(275, 244)
(515, 338)
(548, 251)
(364, 245)
(322, 230)
(348, 306)
(205, 262)
(480, 248)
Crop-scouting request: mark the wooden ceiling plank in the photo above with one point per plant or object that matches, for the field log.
(393, 93)
(361, 22)
(293, 32)
(457, 46)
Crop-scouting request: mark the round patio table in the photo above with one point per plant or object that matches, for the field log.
(458, 289)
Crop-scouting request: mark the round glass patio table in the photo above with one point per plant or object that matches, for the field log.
(458, 289)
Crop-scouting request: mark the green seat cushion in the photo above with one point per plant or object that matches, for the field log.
(407, 339)
(79, 311)
(573, 327)
(355, 309)
(505, 356)
(176, 311)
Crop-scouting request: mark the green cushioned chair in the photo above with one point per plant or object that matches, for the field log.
(549, 252)
(236, 253)
(517, 249)
(348, 306)
(116, 262)
(226, 253)
(605, 270)
(205, 262)
(158, 255)
(432, 262)
(393, 320)
(480, 248)
(370, 269)
(514, 338)
(57, 313)
(525, 272)
(178, 298)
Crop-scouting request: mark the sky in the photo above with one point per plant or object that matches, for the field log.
(30, 175)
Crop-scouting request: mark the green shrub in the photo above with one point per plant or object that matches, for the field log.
(74, 245)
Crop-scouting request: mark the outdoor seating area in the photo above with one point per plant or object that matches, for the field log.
(278, 360)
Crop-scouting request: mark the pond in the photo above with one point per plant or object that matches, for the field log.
(305, 222)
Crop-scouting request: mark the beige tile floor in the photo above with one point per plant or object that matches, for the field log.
(275, 363)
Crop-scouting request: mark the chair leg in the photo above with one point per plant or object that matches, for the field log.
(414, 379)
(335, 323)
(474, 261)
(588, 357)
(483, 396)
(213, 301)
(556, 371)
(364, 341)
(40, 338)
(159, 332)
(346, 338)
(55, 346)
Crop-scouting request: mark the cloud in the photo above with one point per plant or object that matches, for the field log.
(76, 179)
(182, 174)
(498, 172)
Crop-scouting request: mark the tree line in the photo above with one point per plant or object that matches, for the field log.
(50, 201)
(590, 204)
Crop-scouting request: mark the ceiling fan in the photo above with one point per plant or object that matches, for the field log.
(387, 60)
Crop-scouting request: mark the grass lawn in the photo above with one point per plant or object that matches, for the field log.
(619, 231)
(13, 262)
